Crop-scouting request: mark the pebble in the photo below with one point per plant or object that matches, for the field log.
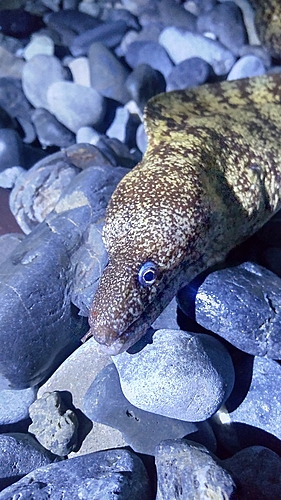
(80, 71)
(38, 74)
(39, 44)
(192, 375)
(187, 470)
(20, 454)
(247, 66)
(109, 34)
(143, 83)
(75, 105)
(181, 45)
(54, 424)
(189, 73)
(115, 474)
(11, 149)
(18, 22)
(49, 131)
(16, 105)
(225, 21)
(10, 65)
(151, 53)
(258, 471)
(71, 19)
(251, 414)
(14, 405)
(241, 304)
(108, 74)
(104, 402)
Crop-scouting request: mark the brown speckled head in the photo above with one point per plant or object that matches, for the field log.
(210, 177)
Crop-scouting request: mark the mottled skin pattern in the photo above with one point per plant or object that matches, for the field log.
(210, 178)
(267, 21)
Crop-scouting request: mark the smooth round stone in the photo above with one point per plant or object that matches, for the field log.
(115, 474)
(122, 15)
(181, 45)
(11, 149)
(191, 378)
(189, 73)
(54, 424)
(148, 33)
(119, 125)
(71, 19)
(19, 455)
(241, 304)
(74, 105)
(109, 34)
(186, 467)
(141, 138)
(258, 471)
(225, 21)
(14, 405)
(245, 67)
(80, 71)
(39, 44)
(151, 53)
(38, 74)
(104, 402)
(145, 82)
(10, 65)
(108, 75)
(251, 415)
(174, 14)
(88, 135)
(18, 23)
(50, 132)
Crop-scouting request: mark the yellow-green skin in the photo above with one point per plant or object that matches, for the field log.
(210, 178)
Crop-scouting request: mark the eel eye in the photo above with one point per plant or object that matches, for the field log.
(147, 274)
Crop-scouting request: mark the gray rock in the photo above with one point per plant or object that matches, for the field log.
(143, 83)
(10, 65)
(19, 455)
(14, 405)
(225, 21)
(251, 414)
(108, 75)
(8, 242)
(257, 471)
(71, 19)
(104, 402)
(50, 131)
(173, 14)
(75, 105)
(141, 138)
(39, 44)
(151, 53)
(80, 71)
(109, 34)
(54, 425)
(245, 67)
(119, 125)
(36, 280)
(115, 474)
(242, 304)
(39, 73)
(191, 378)
(167, 318)
(181, 45)
(186, 470)
(11, 149)
(189, 73)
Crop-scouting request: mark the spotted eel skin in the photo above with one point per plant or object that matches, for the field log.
(209, 179)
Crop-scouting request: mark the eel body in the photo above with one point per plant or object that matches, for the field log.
(209, 179)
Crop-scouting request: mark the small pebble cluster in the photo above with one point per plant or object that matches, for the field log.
(193, 409)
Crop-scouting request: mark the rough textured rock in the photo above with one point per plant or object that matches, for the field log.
(114, 474)
(188, 471)
(192, 375)
(19, 455)
(54, 425)
(242, 304)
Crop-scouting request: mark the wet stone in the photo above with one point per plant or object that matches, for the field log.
(115, 474)
(104, 402)
(107, 74)
(54, 425)
(18, 22)
(199, 379)
(143, 83)
(39, 44)
(189, 73)
(109, 34)
(247, 66)
(186, 467)
(71, 19)
(181, 45)
(20, 454)
(8, 242)
(11, 149)
(14, 405)
(50, 131)
(241, 304)
(151, 53)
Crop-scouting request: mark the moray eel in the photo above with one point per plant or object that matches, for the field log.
(209, 179)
